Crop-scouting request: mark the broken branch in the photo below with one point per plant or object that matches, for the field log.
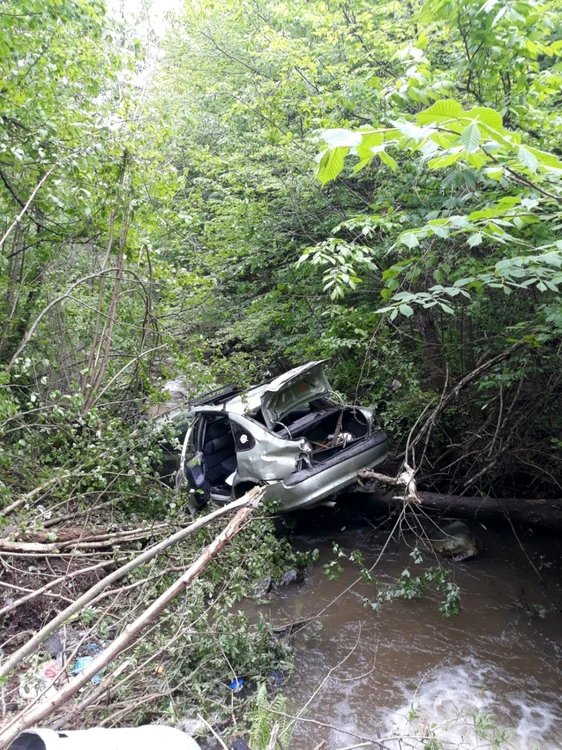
(149, 554)
(134, 629)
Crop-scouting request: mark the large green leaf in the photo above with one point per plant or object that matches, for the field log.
(410, 240)
(336, 137)
(444, 161)
(545, 159)
(441, 111)
(470, 138)
(486, 115)
(368, 142)
(331, 164)
(528, 159)
(388, 160)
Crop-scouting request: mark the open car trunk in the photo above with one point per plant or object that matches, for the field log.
(289, 391)
(329, 429)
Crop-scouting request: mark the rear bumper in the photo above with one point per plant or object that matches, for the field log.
(309, 487)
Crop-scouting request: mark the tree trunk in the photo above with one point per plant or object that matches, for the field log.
(425, 326)
(546, 514)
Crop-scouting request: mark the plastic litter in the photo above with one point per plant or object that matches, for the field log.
(236, 685)
(81, 665)
(38, 682)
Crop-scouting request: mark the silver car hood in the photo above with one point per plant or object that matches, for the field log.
(290, 390)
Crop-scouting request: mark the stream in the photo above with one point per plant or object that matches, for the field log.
(494, 658)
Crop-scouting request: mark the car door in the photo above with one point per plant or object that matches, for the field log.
(193, 467)
(262, 456)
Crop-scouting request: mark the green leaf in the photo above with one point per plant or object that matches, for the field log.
(341, 137)
(545, 158)
(410, 240)
(406, 310)
(368, 142)
(528, 159)
(388, 160)
(445, 109)
(362, 164)
(444, 161)
(331, 164)
(475, 239)
(412, 131)
(487, 116)
(470, 138)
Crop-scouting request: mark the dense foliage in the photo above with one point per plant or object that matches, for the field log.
(431, 247)
(276, 182)
(256, 185)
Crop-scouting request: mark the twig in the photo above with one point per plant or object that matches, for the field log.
(132, 632)
(24, 209)
(215, 735)
(52, 584)
(405, 479)
(94, 541)
(453, 393)
(352, 585)
(365, 674)
(273, 738)
(28, 336)
(93, 697)
(122, 370)
(340, 730)
(531, 563)
(37, 491)
(28, 648)
(324, 681)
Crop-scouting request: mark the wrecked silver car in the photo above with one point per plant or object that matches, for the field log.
(287, 435)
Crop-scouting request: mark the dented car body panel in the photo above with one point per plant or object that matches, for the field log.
(261, 454)
(286, 435)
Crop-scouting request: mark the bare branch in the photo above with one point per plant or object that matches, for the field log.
(131, 633)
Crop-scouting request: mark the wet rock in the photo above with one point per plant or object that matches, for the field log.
(262, 588)
(291, 576)
(277, 677)
(455, 540)
(240, 745)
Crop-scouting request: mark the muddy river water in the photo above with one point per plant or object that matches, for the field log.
(494, 658)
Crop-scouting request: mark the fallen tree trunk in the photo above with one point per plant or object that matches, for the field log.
(546, 514)
(534, 512)
(130, 634)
